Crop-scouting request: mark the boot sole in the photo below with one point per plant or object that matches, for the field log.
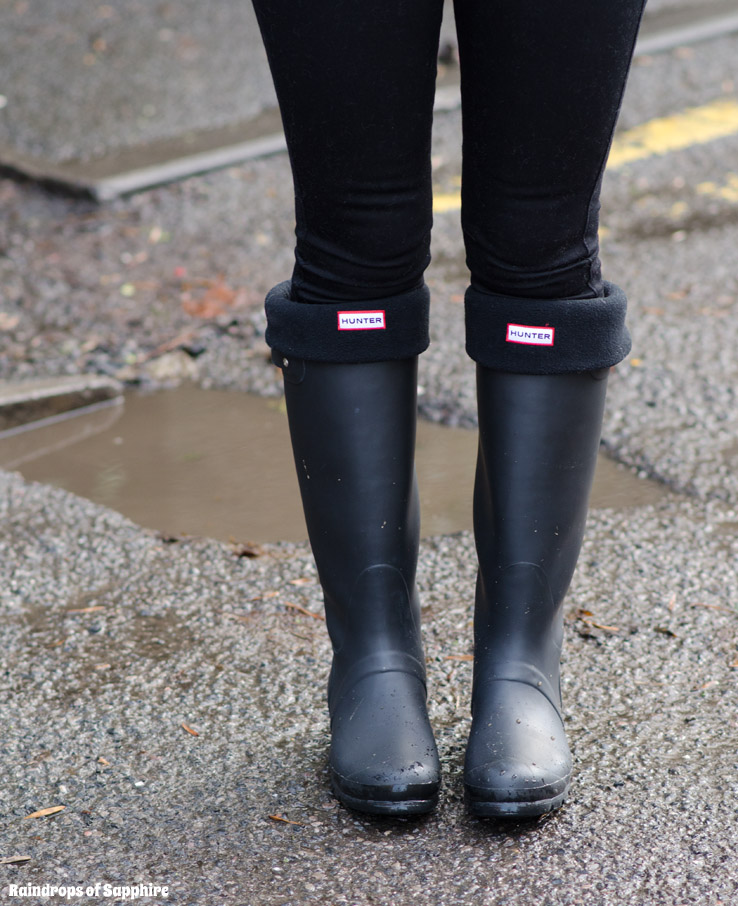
(388, 807)
(483, 808)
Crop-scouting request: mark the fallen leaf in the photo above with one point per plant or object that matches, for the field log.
(298, 636)
(42, 756)
(244, 617)
(190, 730)
(102, 760)
(303, 581)
(586, 617)
(459, 657)
(157, 234)
(713, 607)
(8, 321)
(217, 300)
(42, 813)
(247, 550)
(286, 820)
(600, 625)
(303, 610)
(14, 860)
(186, 336)
(92, 342)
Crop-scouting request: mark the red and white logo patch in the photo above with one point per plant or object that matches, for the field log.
(530, 336)
(361, 320)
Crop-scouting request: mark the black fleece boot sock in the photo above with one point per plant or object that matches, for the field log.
(353, 436)
(538, 442)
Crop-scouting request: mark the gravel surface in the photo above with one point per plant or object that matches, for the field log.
(134, 72)
(137, 72)
(121, 640)
(115, 637)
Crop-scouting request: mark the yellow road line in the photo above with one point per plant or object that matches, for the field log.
(728, 191)
(450, 201)
(694, 126)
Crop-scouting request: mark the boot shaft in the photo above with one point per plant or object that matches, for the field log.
(538, 442)
(353, 436)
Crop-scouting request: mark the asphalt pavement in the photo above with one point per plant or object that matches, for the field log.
(163, 698)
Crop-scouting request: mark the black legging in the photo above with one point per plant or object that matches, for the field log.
(542, 82)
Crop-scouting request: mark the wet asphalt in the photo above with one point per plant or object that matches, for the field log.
(169, 693)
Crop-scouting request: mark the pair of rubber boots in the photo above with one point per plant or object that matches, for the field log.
(353, 436)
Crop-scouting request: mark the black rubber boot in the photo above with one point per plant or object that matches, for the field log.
(538, 441)
(353, 436)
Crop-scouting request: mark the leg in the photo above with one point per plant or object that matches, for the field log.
(541, 85)
(355, 83)
(541, 101)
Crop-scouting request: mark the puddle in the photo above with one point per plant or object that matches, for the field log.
(219, 463)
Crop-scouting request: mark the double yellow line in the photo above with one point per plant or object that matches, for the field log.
(694, 126)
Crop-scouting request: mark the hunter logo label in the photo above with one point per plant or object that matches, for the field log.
(530, 336)
(361, 320)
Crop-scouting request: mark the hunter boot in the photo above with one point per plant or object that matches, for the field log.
(353, 436)
(538, 442)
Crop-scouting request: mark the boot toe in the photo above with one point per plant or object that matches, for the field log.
(383, 755)
(504, 788)
(518, 762)
(380, 791)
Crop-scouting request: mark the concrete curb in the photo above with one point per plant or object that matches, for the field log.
(32, 403)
